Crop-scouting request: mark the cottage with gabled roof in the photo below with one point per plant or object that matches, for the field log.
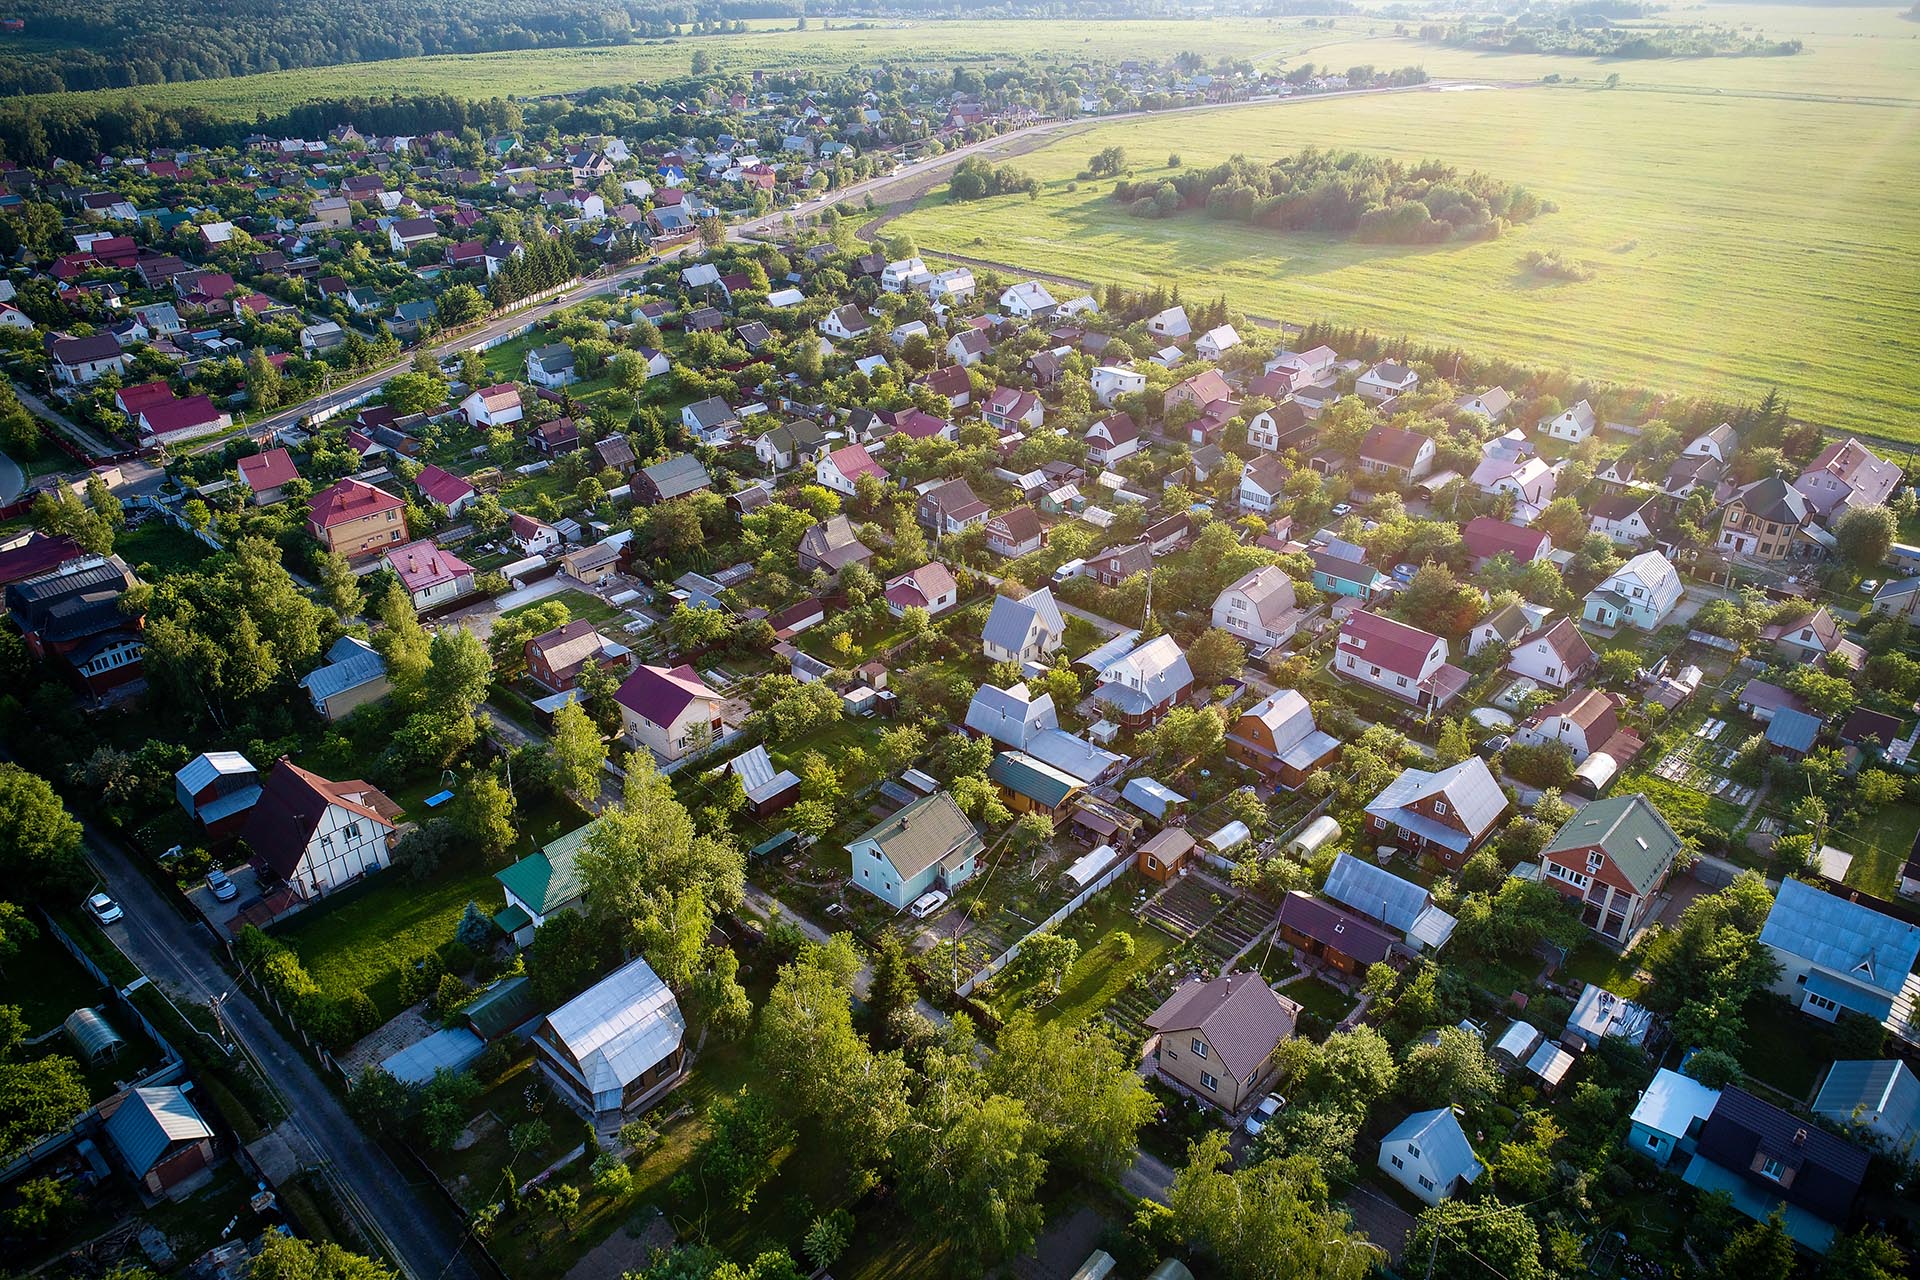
(1448, 813)
(354, 518)
(617, 1047)
(1397, 659)
(1835, 954)
(319, 836)
(928, 845)
(840, 469)
(670, 478)
(1574, 426)
(1626, 519)
(1765, 1157)
(1612, 857)
(831, 545)
(930, 587)
(1216, 1038)
(1556, 655)
(353, 675)
(432, 575)
(557, 658)
(1262, 484)
(1428, 1153)
(1378, 894)
(1640, 594)
(1811, 638)
(444, 489)
(1330, 934)
(1278, 736)
(552, 366)
(1396, 454)
(1140, 687)
(1208, 387)
(1385, 381)
(669, 711)
(1260, 607)
(159, 1135)
(541, 885)
(1016, 533)
(267, 475)
(495, 406)
(1877, 1100)
(217, 789)
(1846, 475)
(1029, 629)
(1486, 537)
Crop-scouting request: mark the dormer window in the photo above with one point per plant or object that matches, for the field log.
(1595, 861)
(1772, 1168)
(1440, 808)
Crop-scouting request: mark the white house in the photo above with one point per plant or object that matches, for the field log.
(1171, 323)
(318, 836)
(1027, 300)
(1428, 1154)
(1215, 343)
(670, 712)
(1307, 366)
(1404, 661)
(1110, 382)
(947, 288)
(1640, 594)
(840, 469)
(432, 575)
(1835, 954)
(1259, 607)
(495, 406)
(1718, 444)
(930, 587)
(1112, 438)
(1555, 655)
(1574, 426)
(1385, 381)
(1262, 484)
(1026, 630)
(846, 322)
(898, 277)
(1491, 404)
(1627, 519)
(78, 361)
(551, 366)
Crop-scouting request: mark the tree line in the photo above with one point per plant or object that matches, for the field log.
(1345, 193)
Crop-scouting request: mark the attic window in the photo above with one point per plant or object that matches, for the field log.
(1865, 966)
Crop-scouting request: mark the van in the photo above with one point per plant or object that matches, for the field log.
(1069, 571)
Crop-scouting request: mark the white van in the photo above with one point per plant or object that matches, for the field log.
(1069, 571)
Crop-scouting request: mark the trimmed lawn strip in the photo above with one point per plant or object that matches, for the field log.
(1319, 999)
(1880, 845)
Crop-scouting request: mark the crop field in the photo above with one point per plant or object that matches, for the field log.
(1736, 242)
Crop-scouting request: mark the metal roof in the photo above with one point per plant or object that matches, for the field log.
(93, 1035)
(502, 1007)
(1023, 775)
(547, 879)
(1794, 730)
(620, 1027)
(1842, 936)
(1442, 1142)
(757, 775)
(1882, 1094)
(1629, 830)
(1673, 1102)
(208, 765)
(1470, 788)
(150, 1120)
(1071, 755)
(351, 662)
(1154, 797)
(452, 1049)
(1374, 891)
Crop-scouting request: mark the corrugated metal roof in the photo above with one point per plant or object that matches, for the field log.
(1442, 1142)
(208, 765)
(1673, 1102)
(1842, 936)
(619, 1027)
(452, 1049)
(1375, 891)
(150, 1120)
(1024, 775)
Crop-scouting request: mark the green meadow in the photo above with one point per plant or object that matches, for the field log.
(1736, 242)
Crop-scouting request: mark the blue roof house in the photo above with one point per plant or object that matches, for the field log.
(1669, 1116)
(1836, 955)
(1792, 732)
(159, 1135)
(1877, 1099)
(1428, 1154)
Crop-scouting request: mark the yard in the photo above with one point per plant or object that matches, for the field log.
(1321, 999)
(1106, 964)
(1787, 1049)
(579, 604)
(1879, 845)
(158, 544)
(1605, 968)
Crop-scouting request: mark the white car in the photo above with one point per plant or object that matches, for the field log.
(1270, 1106)
(223, 889)
(104, 909)
(927, 903)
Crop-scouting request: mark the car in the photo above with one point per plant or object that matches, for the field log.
(927, 903)
(1342, 509)
(1495, 745)
(224, 890)
(104, 909)
(1262, 1115)
(1870, 586)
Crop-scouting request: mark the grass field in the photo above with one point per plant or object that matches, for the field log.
(1880, 846)
(1738, 242)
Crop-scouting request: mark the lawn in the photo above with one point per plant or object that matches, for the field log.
(579, 605)
(1739, 208)
(1320, 999)
(1605, 968)
(1880, 845)
(159, 544)
(59, 984)
(1104, 967)
(1785, 1048)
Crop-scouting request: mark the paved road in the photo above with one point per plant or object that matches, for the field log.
(182, 958)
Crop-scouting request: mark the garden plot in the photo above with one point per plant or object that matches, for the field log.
(1703, 760)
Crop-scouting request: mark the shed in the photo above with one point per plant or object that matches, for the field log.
(1321, 832)
(861, 701)
(93, 1036)
(453, 1049)
(159, 1134)
(1151, 797)
(505, 1006)
(1792, 731)
(1162, 857)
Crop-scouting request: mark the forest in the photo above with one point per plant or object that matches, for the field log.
(1587, 36)
(1348, 193)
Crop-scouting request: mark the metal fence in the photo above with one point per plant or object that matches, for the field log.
(1001, 961)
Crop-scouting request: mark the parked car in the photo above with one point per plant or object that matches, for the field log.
(224, 890)
(104, 909)
(927, 903)
(1262, 1115)
(1495, 745)
(1342, 509)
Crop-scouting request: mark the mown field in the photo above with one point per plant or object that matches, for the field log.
(1737, 242)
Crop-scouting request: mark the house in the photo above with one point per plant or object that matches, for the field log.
(267, 475)
(1810, 639)
(541, 885)
(1171, 324)
(1028, 300)
(1009, 409)
(158, 1135)
(77, 362)
(831, 546)
(1110, 382)
(1111, 438)
(1399, 660)
(1765, 1157)
(1338, 939)
(1259, 608)
(1792, 733)
(949, 507)
(1016, 533)
(1216, 1038)
(840, 469)
(1687, 474)
(1772, 520)
(444, 489)
(1612, 857)
(1031, 785)
(617, 1047)
(1262, 484)
(930, 587)
(353, 518)
(316, 339)
(555, 437)
(353, 675)
(1556, 655)
(1486, 538)
(556, 658)
(671, 478)
(551, 366)
(1583, 722)
(1142, 686)
(1669, 1116)
(170, 420)
(1573, 426)
(591, 564)
(217, 789)
(710, 421)
(1640, 594)
(1846, 475)
(951, 383)
(1396, 454)
(928, 845)
(1341, 572)
(318, 836)
(1012, 716)
(1400, 905)
(669, 711)
(1208, 387)
(1025, 630)
(1627, 519)
(1278, 737)
(615, 453)
(848, 323)
(1763, 701)
(1835, 954)
(1161, 858)
(897, 277)
(797, 442)
(1428, 1154)
(1282, 427)
(1718, 444)
(969, 347)
(1878, 1100)
(1448, 814)
(407, 233)
(1385, 381)
(494, 406)
(1491, 404)
(431, 575)
(534, 537)
(1116, 564)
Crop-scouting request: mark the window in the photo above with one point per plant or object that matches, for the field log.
(1426, 1183)
(1822, 1003)
(1413, 1151)
(1199, 1047)
(1397, 1162)
(1376, 672)
(1772, 1169)
(1439, 807)
(1595, 861)
(1653, 1142)
(1402, 681)
(1209, 1081)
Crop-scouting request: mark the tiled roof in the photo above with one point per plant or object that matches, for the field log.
(1240, 1016)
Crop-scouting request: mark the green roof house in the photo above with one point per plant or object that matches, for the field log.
(1030, 785)
(1612, 857)
(540, 884)
(928, 845)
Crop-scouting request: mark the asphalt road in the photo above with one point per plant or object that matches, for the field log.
(182, 958)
